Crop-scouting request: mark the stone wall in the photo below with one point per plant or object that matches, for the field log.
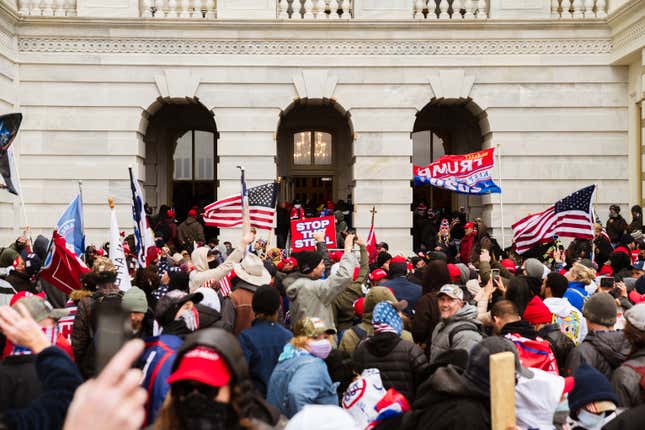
(560, 119)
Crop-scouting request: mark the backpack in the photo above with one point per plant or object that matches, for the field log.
(641, 371)
(465, 326)
(569, 325)
(536, 353)
(362, 334)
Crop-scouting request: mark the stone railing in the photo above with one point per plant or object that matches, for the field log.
(578, 9)
(176, 9)
(47, 7)
(315, 9)
(450, 9)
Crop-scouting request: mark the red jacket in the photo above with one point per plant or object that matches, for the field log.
(466, 247)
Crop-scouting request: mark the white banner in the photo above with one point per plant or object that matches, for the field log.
(117, 255)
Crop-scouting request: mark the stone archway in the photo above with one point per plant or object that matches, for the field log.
(325, 178)
(167, 123)
(446, 127)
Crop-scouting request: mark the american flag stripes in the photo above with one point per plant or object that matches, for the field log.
(227, 212)
(571, 217)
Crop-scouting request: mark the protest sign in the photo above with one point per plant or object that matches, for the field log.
(466, 174)
(302, 232)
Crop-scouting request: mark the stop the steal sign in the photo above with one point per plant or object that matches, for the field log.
(302, 232)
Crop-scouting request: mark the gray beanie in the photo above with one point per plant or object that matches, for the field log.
(601, 309)
(134, 300)
(636, 316)
(464, 273)
(534, 268)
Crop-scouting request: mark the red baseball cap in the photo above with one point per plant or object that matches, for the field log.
(286, 261)
(398, 259)
(377, 275)
(192, 213)
(455, 273)
(202, 364)
(22, 294)
(469, 225)
(359, 307)
(509, 265)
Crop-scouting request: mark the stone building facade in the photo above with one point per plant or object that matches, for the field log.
(555, 85)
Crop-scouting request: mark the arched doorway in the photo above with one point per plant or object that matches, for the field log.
(314, 147)
(445, 127)
(180, 155)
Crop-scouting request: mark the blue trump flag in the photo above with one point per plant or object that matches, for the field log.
(70, 226)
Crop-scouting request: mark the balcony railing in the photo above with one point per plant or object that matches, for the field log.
(578, 9)
(450, 9)
(315, 9)
(47, 7)
(175, 9)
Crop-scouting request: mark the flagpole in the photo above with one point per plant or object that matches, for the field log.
(501, 199)
(246, 223)
(80, 193)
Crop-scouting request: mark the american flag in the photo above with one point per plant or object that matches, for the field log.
(227, 212)
(571, 217)
(223, 285)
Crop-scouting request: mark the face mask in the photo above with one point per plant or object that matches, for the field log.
(213, 264)
(190, 319)
(200, 412)
(589, 420)
(320, 348)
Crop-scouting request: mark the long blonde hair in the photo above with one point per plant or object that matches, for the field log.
(582, 273)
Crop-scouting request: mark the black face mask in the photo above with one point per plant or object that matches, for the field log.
(213, 264)
(198, 411)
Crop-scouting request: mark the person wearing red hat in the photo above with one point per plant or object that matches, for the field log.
(166, 229)
(210, 388)
(467, 242)
(377, 276)
(455, 273)
(190, 231)
(402, 288)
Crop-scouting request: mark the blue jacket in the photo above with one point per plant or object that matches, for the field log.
(404, 290)
(262, 344)
(157, 363)
(300, 379)
(576, 294)
(60, 378)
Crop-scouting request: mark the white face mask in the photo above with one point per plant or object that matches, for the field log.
(589, 420)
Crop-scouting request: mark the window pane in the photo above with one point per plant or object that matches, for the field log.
(204, 155)
(302, 148)
(322, 153)
(437, 147)
(182, 158)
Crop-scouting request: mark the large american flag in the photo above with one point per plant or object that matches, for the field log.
(227, 212)
(571, 217)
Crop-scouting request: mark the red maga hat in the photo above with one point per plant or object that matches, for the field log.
(202, 364)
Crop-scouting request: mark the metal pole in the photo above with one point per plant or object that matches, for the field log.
(501, 199)
(80, 193)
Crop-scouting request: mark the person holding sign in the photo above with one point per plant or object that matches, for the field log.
(309, 295)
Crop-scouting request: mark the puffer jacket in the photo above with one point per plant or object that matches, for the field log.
(344, 303)
(400, 362)
(190, 231)
(602, 350)
(202, 273)
(314, 297)
(627, 382)
(465, 317)
(300, 379)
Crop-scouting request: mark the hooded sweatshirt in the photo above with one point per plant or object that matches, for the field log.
(465, 317)
(569, 318)
(202, 273)
(603, 350)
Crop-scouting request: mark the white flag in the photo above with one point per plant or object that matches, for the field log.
(142, 235)
(117, 256)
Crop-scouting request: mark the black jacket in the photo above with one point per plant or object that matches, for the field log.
(602, 350)
(401, 362)
(448, 401)
(561, 344)
(521, 327)
(20, 384)
(59, 378)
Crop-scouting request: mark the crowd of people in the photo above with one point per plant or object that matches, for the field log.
(248, 336)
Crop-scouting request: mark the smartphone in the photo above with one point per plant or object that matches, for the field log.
(607, 282)
(112, 323)
(494, 273)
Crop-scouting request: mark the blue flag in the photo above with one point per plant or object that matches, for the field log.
(70, 226)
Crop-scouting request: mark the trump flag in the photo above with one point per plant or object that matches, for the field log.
(465, 174)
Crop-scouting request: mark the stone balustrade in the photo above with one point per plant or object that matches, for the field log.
(578, 9)
(315, 9)
(179, 9)
(450, 9)
(47, 7)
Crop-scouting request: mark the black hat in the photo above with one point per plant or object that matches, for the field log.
(382, 258)
(266, 300)
(168, 305)
(307, 260)
(178, 280)
(589, 386)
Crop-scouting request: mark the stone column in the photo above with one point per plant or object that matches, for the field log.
(634, 123)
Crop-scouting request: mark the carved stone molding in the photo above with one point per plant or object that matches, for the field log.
(315, 84)
(177, 84)
(451, 84)
(314, 47)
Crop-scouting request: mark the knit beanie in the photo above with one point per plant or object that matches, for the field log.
(636, 316)
(307, 260)
(534, 268)
(590, 386)
(536, 312)
(601, 309)
(266, 300)
(382, 258)
(639, 286)
(464, 273)
(134, 300)
(376, 295)
(32, 264)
